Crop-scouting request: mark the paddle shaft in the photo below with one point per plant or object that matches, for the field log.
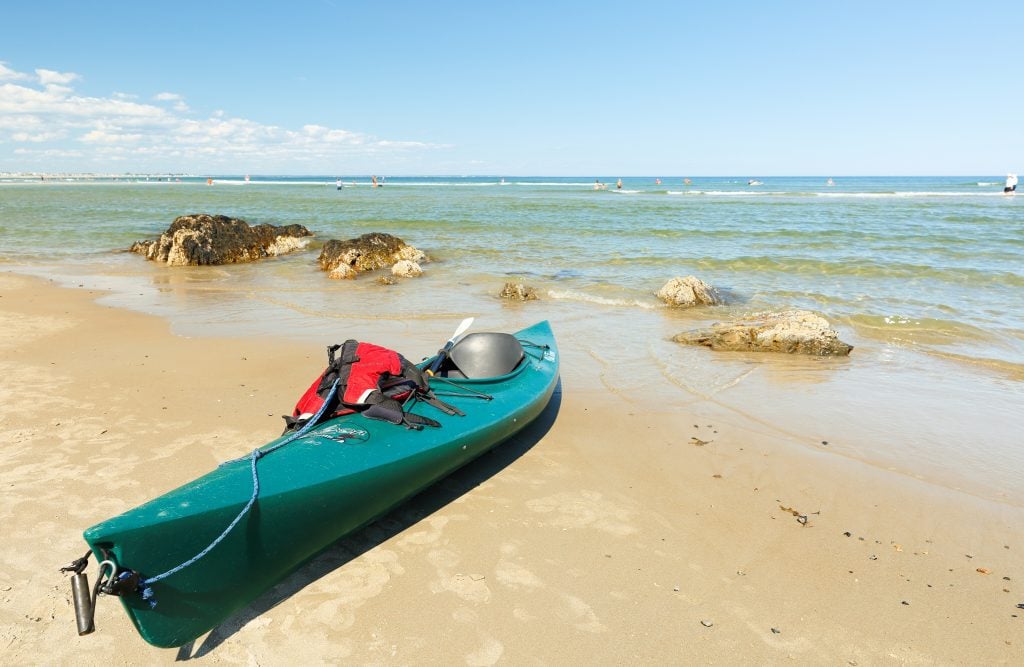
(443, 352)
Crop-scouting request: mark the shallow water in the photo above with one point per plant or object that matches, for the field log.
(922, 275)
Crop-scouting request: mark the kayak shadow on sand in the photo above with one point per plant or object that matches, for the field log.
(406, 515)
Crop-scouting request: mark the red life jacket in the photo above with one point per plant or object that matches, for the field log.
(371, 379)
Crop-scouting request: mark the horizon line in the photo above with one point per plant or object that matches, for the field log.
(328, 175)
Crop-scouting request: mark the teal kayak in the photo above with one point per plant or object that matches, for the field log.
(337, 477)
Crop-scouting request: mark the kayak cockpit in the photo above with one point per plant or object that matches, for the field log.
(483, 355)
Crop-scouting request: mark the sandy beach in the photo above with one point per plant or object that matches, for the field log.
(607, 533)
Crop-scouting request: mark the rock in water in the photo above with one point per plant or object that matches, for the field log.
(346, 259)
(689, 291)
(405, 268)
(518, 292)
(202, 239)
(792, 331)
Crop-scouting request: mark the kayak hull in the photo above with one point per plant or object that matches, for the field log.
(338, 477)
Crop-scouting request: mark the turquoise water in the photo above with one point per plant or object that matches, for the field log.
(923, 275)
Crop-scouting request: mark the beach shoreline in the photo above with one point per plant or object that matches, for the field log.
(890, 404)
(919, 274)
(608, 532)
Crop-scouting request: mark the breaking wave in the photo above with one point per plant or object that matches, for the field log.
(583, 297)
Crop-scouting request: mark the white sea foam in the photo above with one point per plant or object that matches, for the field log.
(877, 195)
(486, 184)
(625, 192)
(832, 194)
(234, 181)
(588, 185)
(445, 184)
(574, 295)
(348, 183)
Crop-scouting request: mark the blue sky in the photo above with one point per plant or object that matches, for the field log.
(656, 88)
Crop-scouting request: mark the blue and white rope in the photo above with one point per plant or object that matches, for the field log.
(256, 455)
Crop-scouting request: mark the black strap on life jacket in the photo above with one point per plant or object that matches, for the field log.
(338, 368)
(388, 409)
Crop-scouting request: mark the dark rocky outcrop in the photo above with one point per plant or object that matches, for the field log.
(518, 292)
(201, 239)
(689, 291)
(346, 259)
(792, 331)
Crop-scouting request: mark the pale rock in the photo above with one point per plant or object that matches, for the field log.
(687, 292)
(406, 269)
(792, 331)
(518, 292)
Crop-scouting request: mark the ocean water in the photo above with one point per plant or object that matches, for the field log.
(924, 276)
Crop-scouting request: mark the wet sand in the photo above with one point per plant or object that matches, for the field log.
(606, 533)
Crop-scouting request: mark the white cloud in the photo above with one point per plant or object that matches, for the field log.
(48, 77)
(50, 153)
(58, 102)
(8, 74)
(37, 138)
(47, 120)
(410, 145)
(179, 101)
(105, 137)
(55, 89)
(20, 122)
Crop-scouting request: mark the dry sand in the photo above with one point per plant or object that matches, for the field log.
(604, 534)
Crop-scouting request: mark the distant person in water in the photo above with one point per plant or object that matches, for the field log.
(373, 181)
(618, 184)
(657, 181)
(829, 182)
(1011, 184)
(337, 183)
(687, 181)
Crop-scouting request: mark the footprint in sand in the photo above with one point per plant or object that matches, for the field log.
(488, 654)
(339, 594)
(20, 329)
(29, 391)
(581, 615)
(471, 587)
(521, 614)
(585, 509)
(434, 529)
(516, 576)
